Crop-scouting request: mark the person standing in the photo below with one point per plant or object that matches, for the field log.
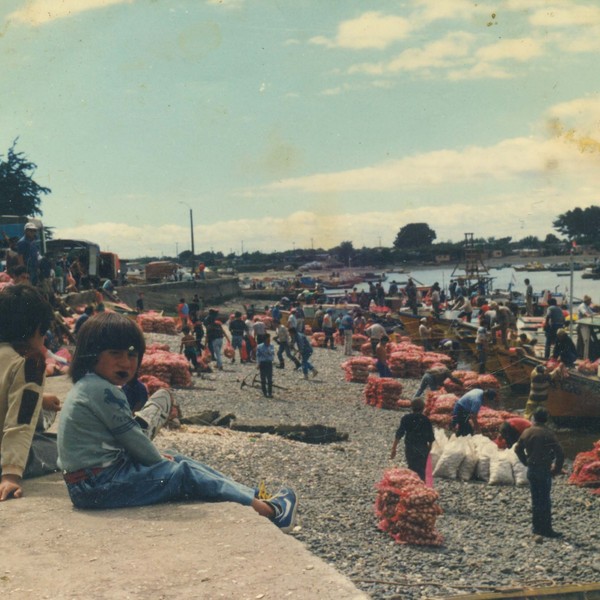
(425, 334)
(411, 296)
(300, 318)
(528, 298)
(481, 342)
(540, 381)
(555, 320)
(139, 303)
(538, 449)
(28, 251)
(381, 355)
(329, 328)
(260, 331)
(585, 310)
(419, 437)
(237, 329)
(265, 354)
(183, 312)
(347, 329)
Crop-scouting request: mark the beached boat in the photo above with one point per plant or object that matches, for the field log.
(572, 400)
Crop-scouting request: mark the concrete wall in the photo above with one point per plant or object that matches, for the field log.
(165, 296)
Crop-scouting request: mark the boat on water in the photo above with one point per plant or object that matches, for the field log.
(532, 266)
(591, 273)
(573, 399)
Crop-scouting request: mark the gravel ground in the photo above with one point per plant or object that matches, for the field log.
(488, 543)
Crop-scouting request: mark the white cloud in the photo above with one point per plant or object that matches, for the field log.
(38, 12)
(511, 49)
(428, 11)
(508, 160)
(479, 71)
(439, 54)
(372, 30)
(566, 16)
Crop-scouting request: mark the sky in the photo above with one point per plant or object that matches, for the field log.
(288, 124)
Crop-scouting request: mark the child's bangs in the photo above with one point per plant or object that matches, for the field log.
(120, 333)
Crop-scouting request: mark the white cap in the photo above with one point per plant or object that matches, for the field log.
(30, 226)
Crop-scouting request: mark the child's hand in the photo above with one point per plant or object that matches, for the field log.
(10, 487)
(50, 402)
(393, 454)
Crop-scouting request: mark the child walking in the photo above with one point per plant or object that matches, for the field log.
(109, 460)
(419, 438)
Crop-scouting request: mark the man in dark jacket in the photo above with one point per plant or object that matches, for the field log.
(539, 450)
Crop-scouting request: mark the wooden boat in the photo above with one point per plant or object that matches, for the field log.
(572, 400)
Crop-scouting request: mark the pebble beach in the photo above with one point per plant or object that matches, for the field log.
(488, 543)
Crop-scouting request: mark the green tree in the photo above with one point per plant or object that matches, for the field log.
(344, 252)
(19, 193)
(414, 235)
(581, 225)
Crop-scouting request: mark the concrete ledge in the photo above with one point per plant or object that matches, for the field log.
(184, 550)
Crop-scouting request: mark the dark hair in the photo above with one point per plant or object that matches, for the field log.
(185, 329)
(540, 415)
(18, 271)
(23, 312)
(552, 302)
(417, 405)
(104, 331)
(89, 310)
(490, 394)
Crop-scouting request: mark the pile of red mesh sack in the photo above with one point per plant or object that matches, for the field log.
(587, 367)
(153, 384)
(268, 321)
(171, 368)
(317, 339)
(471, 380)
(385, 392)
(358, 340)
(407, 509)
(366, 349)
(153, 322)
(358, 368)
(586, 469)
(410, 360)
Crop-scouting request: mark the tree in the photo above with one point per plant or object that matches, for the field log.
(19, 193)
(345, 252)
(414, 235)
(581, 225)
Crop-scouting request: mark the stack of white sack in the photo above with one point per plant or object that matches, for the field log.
(475, 457)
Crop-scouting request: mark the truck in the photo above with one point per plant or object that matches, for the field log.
(97, 264)
(160, 270)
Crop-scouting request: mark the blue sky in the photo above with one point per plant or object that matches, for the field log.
(301, 123)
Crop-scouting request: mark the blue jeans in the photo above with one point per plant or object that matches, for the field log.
(540, 482)
(129, 484)
(428, 381)
(306, 366)
(217, 345)
(383, 369)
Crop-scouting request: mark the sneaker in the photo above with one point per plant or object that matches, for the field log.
(315, 372)
(305, 375)
(284, 503)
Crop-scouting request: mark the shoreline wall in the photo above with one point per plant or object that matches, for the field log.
(165, 296)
